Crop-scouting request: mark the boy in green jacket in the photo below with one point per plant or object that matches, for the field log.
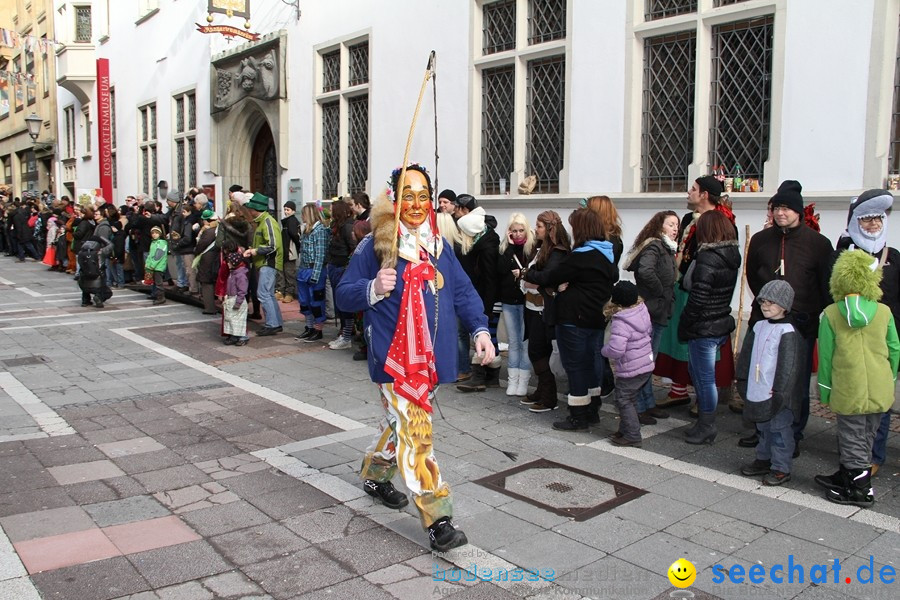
(858, 357)
(156, 264)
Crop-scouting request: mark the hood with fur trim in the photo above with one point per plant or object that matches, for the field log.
(856, 272)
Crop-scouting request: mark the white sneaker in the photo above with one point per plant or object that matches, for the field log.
(340, 344)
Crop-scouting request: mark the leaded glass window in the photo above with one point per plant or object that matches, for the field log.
(660, 9)
(331, 149)
(498, 103)
(359, 63)
(546, 20)
(741, 95)
(179, 114)
(498, 26)
(82, 23)
(192, 111)
(667, 127)
(331, 71)
(894, 148)
(179, 161)
(145, 170)
(718, 3)
(358, 144)
(545, 125)
(192, 162)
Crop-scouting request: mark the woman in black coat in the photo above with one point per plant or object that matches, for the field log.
(554, 246)
(207, 258)
(652, 260)
(706, 323)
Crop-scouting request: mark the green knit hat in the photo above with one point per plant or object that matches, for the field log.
(258, 202)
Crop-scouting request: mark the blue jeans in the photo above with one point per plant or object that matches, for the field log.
(115, 273)
(514, 321)
(576, 351)
(29, 247)
(802, 419)
(776, 440)
(181, 278)
(645, 399)
(265, 291)
(335, 274)
(702, 366)
(601, 363)
(879, 448)
(462, 349)
(311, 296)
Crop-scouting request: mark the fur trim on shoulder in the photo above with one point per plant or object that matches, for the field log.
(609, 309)
(384, 232)
(635, 252)
(237, 225)
(853, 274)
(714, 245)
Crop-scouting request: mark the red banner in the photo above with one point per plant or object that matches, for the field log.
(227, 31)
(104, 128)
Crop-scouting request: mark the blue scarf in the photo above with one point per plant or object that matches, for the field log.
(602, 246)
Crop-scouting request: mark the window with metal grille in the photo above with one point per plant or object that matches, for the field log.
(147, 146)
(87, 125)
(667, 125)
(498, 26)
(545, 125)
(741, 95)
(498, 104)
(69, 113)
(331, 71)
(192, 162)
(192, 110)
(660, 9)
(546, 20)
(358, 144)
(894, 148)
(82, 23)
(359, 63)
(718, 3)
(179, 160)
(179, 114)
(331, 148)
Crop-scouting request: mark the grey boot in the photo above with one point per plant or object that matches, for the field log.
(491, 377)
(705, 433)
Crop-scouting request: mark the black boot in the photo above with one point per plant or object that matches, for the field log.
(858, 492)
(705, 432)
(444, 536)
(476, 383)
(542, 370)
(577, 419)
(492, 376)
(547, 388)
(386, 492)
(593, 410)
(836, 481)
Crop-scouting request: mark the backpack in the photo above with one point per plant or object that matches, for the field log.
(89, 260)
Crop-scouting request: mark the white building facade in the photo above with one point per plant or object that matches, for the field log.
(632, 99)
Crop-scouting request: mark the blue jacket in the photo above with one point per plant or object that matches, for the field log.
(456, 299)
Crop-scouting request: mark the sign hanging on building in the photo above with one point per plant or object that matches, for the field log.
(228, 31)
(104, 128)
(230, 8)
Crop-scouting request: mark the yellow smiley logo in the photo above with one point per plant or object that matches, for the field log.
(682, 573)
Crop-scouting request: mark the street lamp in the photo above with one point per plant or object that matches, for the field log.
(34, 122)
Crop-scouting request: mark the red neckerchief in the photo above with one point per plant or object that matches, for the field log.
(410, 359)
(685, 246)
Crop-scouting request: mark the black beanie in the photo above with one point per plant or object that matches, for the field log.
(625, 294)
(235, 188)
(788, 194)
(710, 185)
(449, 195)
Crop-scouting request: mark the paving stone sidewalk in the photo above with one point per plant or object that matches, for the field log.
(196, 470)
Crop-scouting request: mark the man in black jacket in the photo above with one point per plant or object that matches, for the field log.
(286, 279)
(24, 232)
(792, 251)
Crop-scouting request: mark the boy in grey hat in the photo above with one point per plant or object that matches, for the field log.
(768, 378)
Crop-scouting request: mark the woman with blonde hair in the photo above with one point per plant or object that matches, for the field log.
(311, 271)
(516, 249)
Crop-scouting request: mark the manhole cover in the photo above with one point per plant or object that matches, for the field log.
(24, 361)
(561, 489)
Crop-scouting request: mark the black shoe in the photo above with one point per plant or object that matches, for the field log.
(270, 330)
(574, 422)
(98, 302)
(231, 340)
(644, 418)
(306, 333)
(476, 383)
(86, 303)
(444, 536)
(361, 355)
(315, 336)
(835, 481)
(757, 468)
(209, 312)
(240, 342)
(749, 441)
(858, 492)
(386, 492)
(796, 449)
(255, 316)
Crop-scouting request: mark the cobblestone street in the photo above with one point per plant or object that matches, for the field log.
(140, 458)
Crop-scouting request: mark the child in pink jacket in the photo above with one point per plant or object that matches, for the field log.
(630, 351)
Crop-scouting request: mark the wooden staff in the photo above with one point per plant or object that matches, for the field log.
(737, 331)
(429, 70)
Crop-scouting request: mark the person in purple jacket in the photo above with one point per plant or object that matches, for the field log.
(631, 350)
(411, 289)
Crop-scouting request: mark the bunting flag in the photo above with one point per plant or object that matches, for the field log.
(26, 79)
(13, 39)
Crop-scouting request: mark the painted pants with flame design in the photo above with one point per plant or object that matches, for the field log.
(404, 443)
